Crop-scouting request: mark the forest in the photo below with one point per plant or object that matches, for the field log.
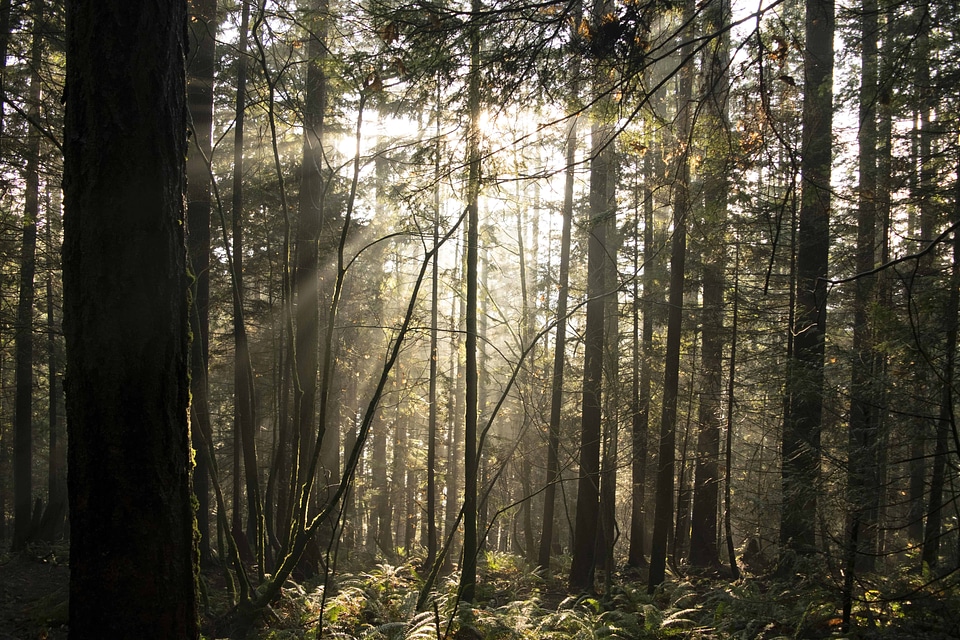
(479, 319)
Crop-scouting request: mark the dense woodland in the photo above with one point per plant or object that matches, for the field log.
(649, 302)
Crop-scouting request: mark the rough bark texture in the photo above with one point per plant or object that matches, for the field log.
(132, 553)
(588, 486)
(802, 422)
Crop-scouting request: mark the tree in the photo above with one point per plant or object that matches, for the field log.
(663, 511)
(800, 452)
(23, 529)
(471, 467)
(132, 549)
(862, 458)
(200, 71)
(703, 532)
(559, 357)
(583, 563)
(244, 409)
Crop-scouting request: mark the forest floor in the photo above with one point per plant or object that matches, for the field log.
(377, 601)
(33, 594)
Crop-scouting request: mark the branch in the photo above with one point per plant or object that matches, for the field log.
(892, 263)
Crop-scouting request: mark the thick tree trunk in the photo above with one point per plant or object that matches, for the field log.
(703, 534)
(800, 452)
(862, 472)
(583, 564)
(933, 526)
(132, 548)
(588, 486)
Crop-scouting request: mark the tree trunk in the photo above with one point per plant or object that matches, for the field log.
(643, 352)
(800, 454)
(305, 282)
(607, 533)
(862, 476)
(583, 564)
(933, 529)
(663, 512)
(731, 398)
(200, 68)
(132, 548)
(432, 399)
(54, 516)
(245, 419)
(468, 567)
(559, 360)
(703, 533)
(23, 531)
(588, 486)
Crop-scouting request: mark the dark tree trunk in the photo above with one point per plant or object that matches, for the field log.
(731, 398)
(862, 454)
(200, 67)
(583, 564)
(643, 352)
(559, 358)
(244, 410)
(933, 526)
(607, 533)
(703, 532)
(471, 468)
(305, 282)
(588, 486)
(132, 548)
(432, 397)
(455, 435)
(23, 530)
(663, 511)
(800, 453)
(5, 6)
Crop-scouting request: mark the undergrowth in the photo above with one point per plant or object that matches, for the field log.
(514, 602)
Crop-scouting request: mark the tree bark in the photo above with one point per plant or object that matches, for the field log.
(559, 358)
(800, 453)
(588, 485)
(703, 533)
(663, 511)
(132, 552)
(862, 455)
(471, 469)
(23, 530)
